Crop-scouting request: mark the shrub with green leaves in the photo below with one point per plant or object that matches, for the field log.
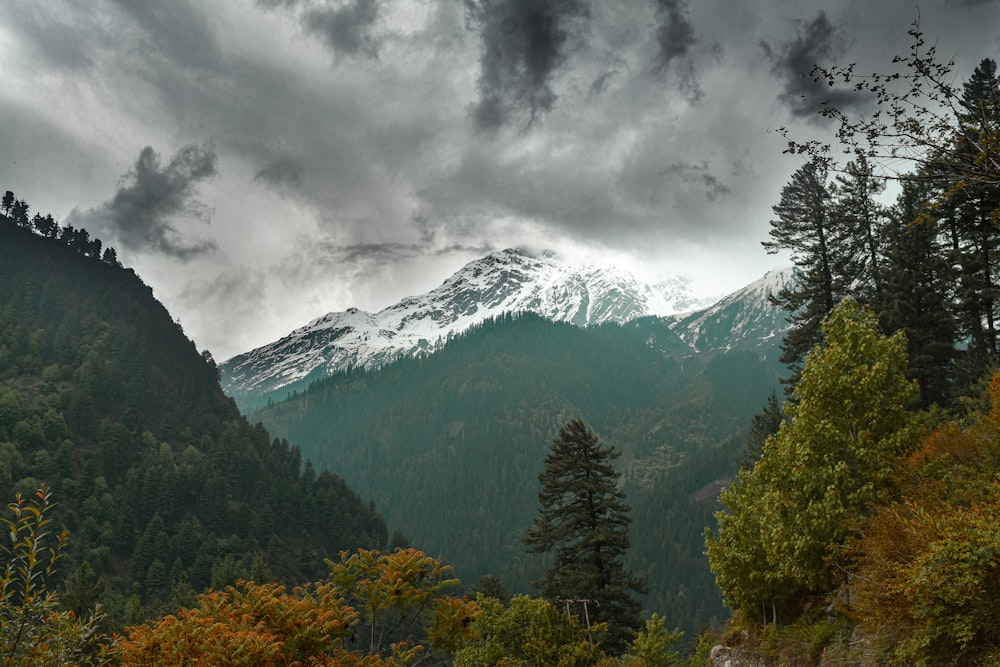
(33, 631)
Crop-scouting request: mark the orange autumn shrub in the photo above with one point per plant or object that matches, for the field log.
(374, 610)
(926, 568)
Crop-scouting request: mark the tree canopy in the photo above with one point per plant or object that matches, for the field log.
(786, 519)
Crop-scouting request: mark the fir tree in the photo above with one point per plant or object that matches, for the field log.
(19, 212)
(915, 298)
(862, 223)
(804, 227)
(583, 521)
(973, 210)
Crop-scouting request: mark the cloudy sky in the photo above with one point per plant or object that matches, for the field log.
(262, 162)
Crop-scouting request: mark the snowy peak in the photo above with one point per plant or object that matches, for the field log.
(513, 280)
(501, 282)
(747, 318)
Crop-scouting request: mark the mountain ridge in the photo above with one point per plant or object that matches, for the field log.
(505, 281)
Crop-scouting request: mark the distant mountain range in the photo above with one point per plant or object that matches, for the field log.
(501, 282)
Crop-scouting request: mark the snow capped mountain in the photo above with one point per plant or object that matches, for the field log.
(504, 281)
(745, 319)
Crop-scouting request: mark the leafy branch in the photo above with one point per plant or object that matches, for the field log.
(921, 122)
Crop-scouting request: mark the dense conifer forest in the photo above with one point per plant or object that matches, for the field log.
(165, 487)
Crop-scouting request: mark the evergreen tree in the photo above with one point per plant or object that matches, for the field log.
(8, 202)
(81, 241)
(804, 227)
(862, 222)
(583, 521)
(973, 210)
(50, 228)
(45, 225)
(37, 222)
(82, 590)
(765, 424)
(19, 212)
(916, 295)
(980, 116)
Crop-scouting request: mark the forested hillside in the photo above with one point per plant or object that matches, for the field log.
(450, 445)
(165, 488)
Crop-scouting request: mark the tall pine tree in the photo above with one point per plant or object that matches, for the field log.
(804, 227)
(915, 298)
(583, 521)
(975, 209)
(860, 221)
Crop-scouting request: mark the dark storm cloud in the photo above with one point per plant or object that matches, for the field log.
(283, 172)
(817, 42)
(139, 215)
(674, 35)
(375, 256)
(697, 175)
(523, 42)
(346, 29)
(375, 252)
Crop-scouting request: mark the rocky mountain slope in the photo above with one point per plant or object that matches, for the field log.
(745, 319)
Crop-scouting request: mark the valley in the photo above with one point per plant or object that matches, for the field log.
(448, 440)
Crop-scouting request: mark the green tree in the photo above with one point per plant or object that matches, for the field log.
(652, 644)
(583, 521)
(764, 424)
(915, 297)
(8, 202)
(973, 210)
(805, 228)
(862, 220)
(528, 631)
(489, 585)
(830, 463)
(738, 555)
(82, 590)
